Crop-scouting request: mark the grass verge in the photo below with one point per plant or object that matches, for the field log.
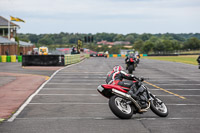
(189, 59)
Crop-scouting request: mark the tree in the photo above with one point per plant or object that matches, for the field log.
(130, 38)
(138, 45)
(192, 43)
(147, 47)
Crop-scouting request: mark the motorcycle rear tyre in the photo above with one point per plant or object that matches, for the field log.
(119, 113)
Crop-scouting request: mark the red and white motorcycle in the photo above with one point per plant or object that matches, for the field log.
(124, 106)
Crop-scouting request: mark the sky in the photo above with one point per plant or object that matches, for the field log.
(97, 16)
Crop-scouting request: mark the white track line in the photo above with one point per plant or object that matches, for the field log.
(111, 117)
(36, 92)
(76, 84)
(70, 89)
(68, 103)
(73, 103)
(68, 95)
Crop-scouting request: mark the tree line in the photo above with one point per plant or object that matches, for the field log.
(144, 43)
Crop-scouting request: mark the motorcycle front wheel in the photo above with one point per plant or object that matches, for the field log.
(120, 107)
(158, 107)
(130, 69)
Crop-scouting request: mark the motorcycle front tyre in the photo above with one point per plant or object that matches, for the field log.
(130, 69)
(120, 111)
(161, 110)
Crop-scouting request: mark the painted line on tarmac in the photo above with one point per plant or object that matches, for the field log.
(71, 89)
(175, 118)
(108, 118)
(94, 95)
(183, 104)
(73, 103)
(75, 83)
(74, 89)
(68, 103)
(79, 74)
(173, 94)
(165, 90)
(178, 84)
(182, 95)
(11, 119)
(179, 89)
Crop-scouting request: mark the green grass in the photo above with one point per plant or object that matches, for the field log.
(191, 59)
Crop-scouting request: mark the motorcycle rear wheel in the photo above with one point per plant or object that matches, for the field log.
(120, 108)
(159, 107)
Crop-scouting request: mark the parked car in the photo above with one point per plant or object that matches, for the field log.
(100, 54)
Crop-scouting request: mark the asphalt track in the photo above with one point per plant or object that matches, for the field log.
(69, 102)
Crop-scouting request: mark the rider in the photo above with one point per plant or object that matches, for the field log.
(198, 59)
(131, 55)
(117, 75)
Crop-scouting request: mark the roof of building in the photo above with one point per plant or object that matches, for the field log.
(4, 22)
(25, 44)
(6, 41)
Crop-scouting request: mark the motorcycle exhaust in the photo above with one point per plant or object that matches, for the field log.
(127, 96)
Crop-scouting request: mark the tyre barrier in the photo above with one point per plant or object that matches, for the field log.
(3, 58)
(43, 60)
(52, 60)
(11, 58)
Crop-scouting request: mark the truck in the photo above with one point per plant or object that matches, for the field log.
(43, 51)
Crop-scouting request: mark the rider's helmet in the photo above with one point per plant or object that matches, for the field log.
(118, 68)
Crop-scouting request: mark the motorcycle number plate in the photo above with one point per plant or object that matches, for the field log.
(100, 88)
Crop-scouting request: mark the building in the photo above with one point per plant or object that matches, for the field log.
(4, 26)
(105, 43)
(114, 43)
(7, 47)
(26, 47)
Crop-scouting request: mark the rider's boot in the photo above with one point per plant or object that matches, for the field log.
(132, 92)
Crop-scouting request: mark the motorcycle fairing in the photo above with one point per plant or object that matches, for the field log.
(106, 89)
(131, 60)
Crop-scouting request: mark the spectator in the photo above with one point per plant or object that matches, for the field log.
(7, 52)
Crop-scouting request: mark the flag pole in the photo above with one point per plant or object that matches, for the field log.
(8, 29)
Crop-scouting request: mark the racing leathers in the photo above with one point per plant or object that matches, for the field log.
(116, 77)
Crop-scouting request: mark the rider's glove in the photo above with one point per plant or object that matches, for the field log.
(141, 79)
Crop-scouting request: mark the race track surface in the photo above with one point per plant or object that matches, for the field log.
(70, 103)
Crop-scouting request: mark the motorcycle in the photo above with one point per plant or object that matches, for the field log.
(131, 65)
(124, 106)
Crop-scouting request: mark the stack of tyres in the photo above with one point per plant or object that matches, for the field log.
(3, 58)
(8, 59)
(19, 58)
(13, 58)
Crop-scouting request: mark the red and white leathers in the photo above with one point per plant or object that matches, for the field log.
(117, 75)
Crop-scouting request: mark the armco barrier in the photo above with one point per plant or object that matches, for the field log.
(43, 60)
(71, 59)
(75, 58)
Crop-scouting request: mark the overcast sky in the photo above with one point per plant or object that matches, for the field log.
(112, 16)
